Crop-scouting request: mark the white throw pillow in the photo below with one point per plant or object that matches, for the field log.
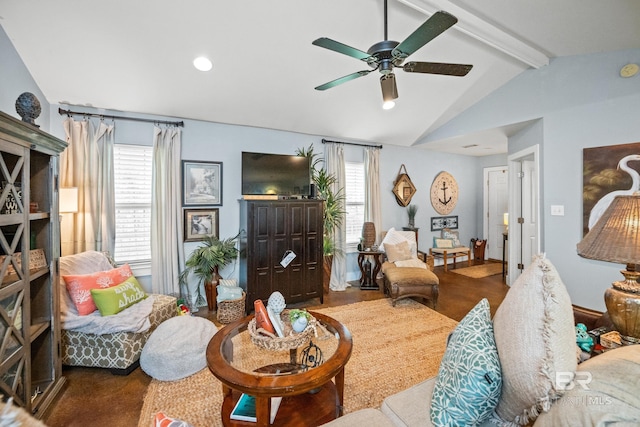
(393, 237)
(413, 262)
(535, 335)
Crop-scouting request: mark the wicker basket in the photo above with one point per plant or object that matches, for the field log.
(291, 339)
(231, 310)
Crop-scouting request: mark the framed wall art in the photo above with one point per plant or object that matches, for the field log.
(201, 183)
(440, 222)
(200, 224)
(606, 172)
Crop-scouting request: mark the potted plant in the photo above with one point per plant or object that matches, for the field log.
(334, 212)
(205, 263)
(411, 212)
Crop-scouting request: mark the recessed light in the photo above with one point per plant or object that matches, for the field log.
(202, 63)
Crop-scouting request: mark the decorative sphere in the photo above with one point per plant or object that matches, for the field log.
(276, 302)
(28, 107)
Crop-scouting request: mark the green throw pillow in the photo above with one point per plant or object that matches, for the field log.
(113, 300)
(469, 381)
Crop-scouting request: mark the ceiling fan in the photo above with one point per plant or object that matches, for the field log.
(386, 55)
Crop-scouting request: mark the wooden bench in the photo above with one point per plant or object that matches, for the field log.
(451, 253)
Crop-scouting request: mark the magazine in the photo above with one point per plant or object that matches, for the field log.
(245, 409)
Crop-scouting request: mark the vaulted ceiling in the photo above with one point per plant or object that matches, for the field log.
(137, 56)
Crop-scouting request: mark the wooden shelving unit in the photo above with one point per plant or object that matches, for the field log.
(30, 366)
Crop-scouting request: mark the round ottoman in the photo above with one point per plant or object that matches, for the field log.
(176, 349)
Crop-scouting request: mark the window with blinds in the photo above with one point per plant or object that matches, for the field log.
(354, 204)
(132, 176)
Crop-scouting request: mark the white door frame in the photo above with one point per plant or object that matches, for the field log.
(485, 198)
(515, 196)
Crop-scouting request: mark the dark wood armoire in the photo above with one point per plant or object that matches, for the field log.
(270, 229)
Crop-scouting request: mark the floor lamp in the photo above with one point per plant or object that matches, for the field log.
(616, 238)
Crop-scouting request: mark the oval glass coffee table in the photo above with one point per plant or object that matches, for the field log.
(309, 397)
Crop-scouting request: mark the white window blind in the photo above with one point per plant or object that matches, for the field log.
(132, 176)
(354, 206)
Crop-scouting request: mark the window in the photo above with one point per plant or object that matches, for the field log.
(354, 205)
(132, 176)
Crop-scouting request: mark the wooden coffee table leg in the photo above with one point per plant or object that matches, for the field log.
(444, 256)
(339, 379)
(226, 391)
(262, 411)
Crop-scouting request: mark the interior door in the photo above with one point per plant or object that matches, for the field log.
(497, 180)
(524, 210)
(529, 212)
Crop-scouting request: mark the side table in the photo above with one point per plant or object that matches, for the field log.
(368, 282)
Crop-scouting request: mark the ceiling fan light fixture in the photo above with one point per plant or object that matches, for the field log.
(202, 63)
(389, 90)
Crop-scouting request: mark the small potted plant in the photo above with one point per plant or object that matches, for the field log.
(205, 263)
(299, 319)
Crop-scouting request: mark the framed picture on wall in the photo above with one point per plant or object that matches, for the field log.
(201, 183)
(200, 224)
(608, 171)
(441, 222)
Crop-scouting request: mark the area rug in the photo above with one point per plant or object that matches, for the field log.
(480, 271)
(393, 348)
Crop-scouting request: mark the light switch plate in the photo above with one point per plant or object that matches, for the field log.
(557, 210)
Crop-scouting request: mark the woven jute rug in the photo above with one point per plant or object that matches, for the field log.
(479, 271)
(393, 348)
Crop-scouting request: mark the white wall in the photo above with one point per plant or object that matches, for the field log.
(582, 102)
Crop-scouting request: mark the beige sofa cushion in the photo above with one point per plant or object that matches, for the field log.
(365, 417)
(610, 397)
(411, 407)
(535, 336)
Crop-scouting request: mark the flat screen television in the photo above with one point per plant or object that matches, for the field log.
(275, 174)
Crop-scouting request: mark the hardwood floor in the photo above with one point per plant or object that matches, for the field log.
(95, 397)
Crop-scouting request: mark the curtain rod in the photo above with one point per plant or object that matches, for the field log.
(324, 141)
(108, 116)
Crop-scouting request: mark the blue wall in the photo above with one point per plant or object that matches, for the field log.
(576, 102)
(16, 79)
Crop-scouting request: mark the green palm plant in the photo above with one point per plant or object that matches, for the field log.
(206, 261)
(334, 201)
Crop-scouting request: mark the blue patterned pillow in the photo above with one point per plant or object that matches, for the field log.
(469, 381)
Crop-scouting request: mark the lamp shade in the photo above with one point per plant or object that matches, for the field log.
(616, 235)
(505, 218)
(68, 199)
(616, 238)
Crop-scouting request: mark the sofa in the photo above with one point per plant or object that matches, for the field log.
(87, 341)
(537, 379)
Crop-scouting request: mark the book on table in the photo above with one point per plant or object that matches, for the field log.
(245, 409)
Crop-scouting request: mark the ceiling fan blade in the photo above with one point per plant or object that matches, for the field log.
(343, 79)
(429, 30)
(459, 70)
(341, 48)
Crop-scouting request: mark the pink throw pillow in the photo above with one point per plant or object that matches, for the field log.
(79, 286)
